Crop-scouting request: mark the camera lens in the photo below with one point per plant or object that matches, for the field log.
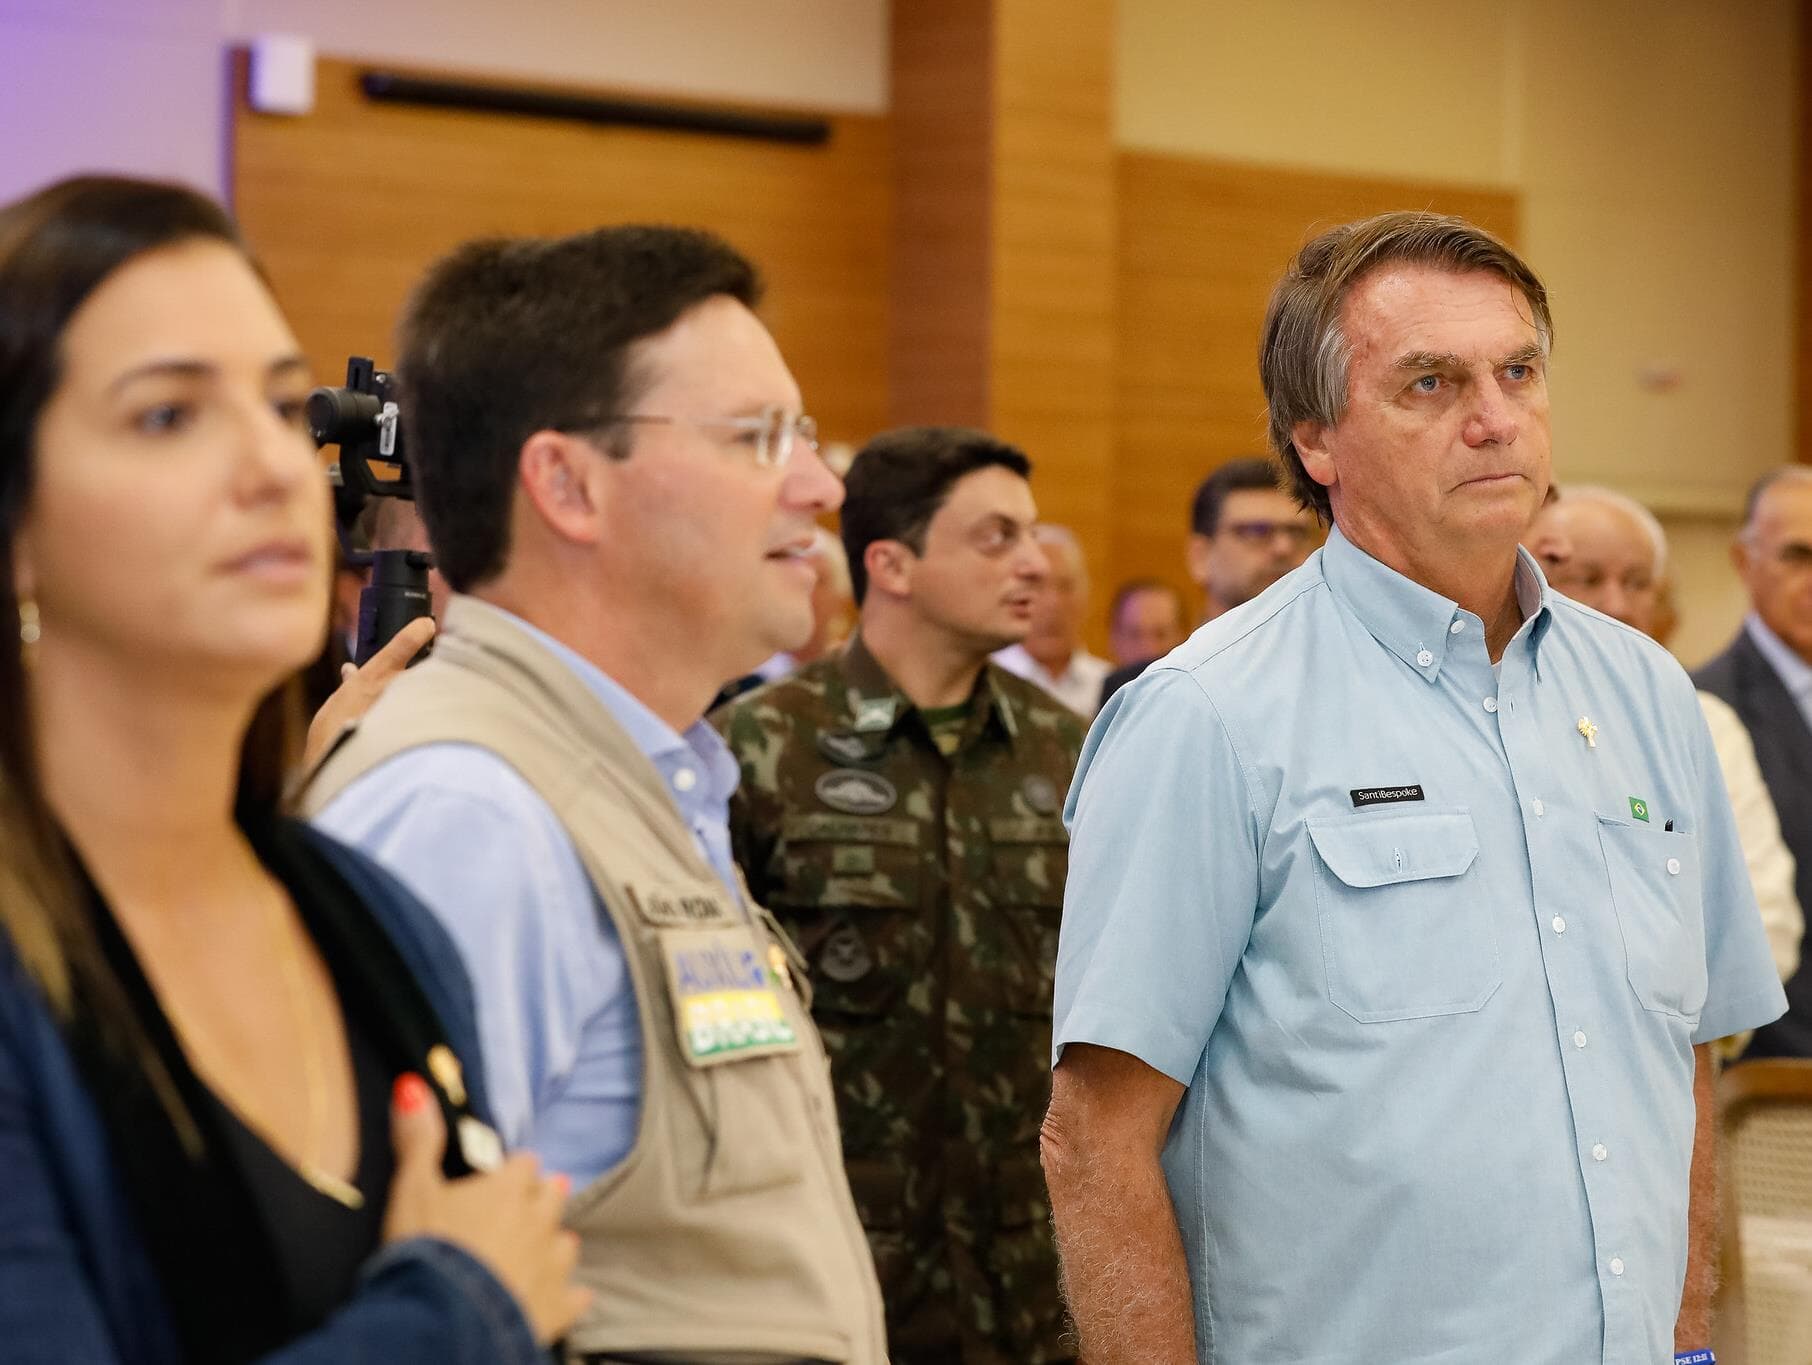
(340, 416)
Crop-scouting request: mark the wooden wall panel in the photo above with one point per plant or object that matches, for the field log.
(943, 195)
(348, 205)
(1201, 243)
(1053, 285)
(1802, 172)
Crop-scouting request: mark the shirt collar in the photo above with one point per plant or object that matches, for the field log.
(697, 766)
(1018, 659)
(875, 704)
(1416, 623)
(1795, 673)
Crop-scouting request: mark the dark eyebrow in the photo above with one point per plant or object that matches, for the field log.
(280, 368)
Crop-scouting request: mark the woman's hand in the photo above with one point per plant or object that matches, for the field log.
(508, 1218)
(361, 686)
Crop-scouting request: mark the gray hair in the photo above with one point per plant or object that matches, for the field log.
(1623, 502)
(1305, 358)
(1049, 533)
(1787, 473)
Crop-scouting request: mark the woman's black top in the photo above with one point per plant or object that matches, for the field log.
(250, 1255)
(320, 1242)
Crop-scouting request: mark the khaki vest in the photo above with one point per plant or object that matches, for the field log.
(729, 1228)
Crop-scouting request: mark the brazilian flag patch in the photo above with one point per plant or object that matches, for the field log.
(1639, 809)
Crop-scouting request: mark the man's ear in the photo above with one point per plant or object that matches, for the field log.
(1195, 558)
(889, 565)
(1740, 552)
(561, 478)
(1311, 442)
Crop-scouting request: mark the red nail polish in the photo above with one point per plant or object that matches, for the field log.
(410, 1093)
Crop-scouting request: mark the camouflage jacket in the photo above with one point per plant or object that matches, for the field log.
(925, 892)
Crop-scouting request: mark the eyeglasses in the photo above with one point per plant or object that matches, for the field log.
(772, 434)
(1261, 532)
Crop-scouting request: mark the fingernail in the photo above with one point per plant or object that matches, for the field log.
(410, 1093)
(564, 1184)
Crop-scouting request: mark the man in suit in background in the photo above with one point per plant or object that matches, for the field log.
(1766, 675)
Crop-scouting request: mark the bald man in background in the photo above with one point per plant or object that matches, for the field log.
(1608, 551)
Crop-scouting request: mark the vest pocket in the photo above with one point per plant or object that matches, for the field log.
(1654, 881)
(756, 1138)
(1405, 933)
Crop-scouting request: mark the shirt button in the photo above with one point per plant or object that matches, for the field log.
(1560, 925)
(1616, 1265)
(1579, 1038)
(1425, 658)
(1491, 704)
(1539, 807)
(1456, 627)
(1599, 1152)
(685, 779)
(1673, 867)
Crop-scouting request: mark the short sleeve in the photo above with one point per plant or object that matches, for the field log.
(1163, 877)
(1743, 990)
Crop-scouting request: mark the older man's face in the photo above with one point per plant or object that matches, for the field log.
(1599, 554)
(1774, 556)
(1442, 452)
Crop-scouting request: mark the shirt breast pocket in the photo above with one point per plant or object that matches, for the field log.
(850, 897)
(1405, 933)
(1654, 882)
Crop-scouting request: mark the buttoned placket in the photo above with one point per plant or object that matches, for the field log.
(1567, 948)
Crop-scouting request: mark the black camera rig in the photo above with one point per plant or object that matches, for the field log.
(363, 420)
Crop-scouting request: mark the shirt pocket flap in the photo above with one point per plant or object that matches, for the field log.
(1417, 847)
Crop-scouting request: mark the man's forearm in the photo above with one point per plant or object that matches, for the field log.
(1692, 1330)
(1124, 1274)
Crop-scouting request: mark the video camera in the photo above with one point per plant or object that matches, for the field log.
(363, 420)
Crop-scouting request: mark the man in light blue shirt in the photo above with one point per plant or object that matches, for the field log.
(1402, 900)
(471, 838)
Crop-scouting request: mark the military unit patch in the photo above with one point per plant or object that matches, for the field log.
(846, 746)
(856, 793)
(1040, 793)
(845, 956)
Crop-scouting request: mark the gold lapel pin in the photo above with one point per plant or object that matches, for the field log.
(445, 1068)
(1589, 730)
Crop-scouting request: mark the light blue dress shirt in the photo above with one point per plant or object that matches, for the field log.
(1430, 961)
(556, 1009)
(1794, 672)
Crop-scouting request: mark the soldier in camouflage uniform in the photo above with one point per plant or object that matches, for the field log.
(900, 812)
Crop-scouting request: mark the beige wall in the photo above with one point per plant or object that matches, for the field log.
(140, 85)
(1651, 142)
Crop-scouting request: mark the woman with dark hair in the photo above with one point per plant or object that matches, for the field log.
(240, 1108)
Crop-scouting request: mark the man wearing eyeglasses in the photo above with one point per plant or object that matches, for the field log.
(620, 488)
(1245, 533)
(899, 813)
(1766, 677)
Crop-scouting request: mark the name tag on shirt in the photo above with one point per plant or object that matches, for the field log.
(726, 1001)
(1385, 796)
(682, 906)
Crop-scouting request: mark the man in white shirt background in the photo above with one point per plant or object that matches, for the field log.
(1052, 655)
